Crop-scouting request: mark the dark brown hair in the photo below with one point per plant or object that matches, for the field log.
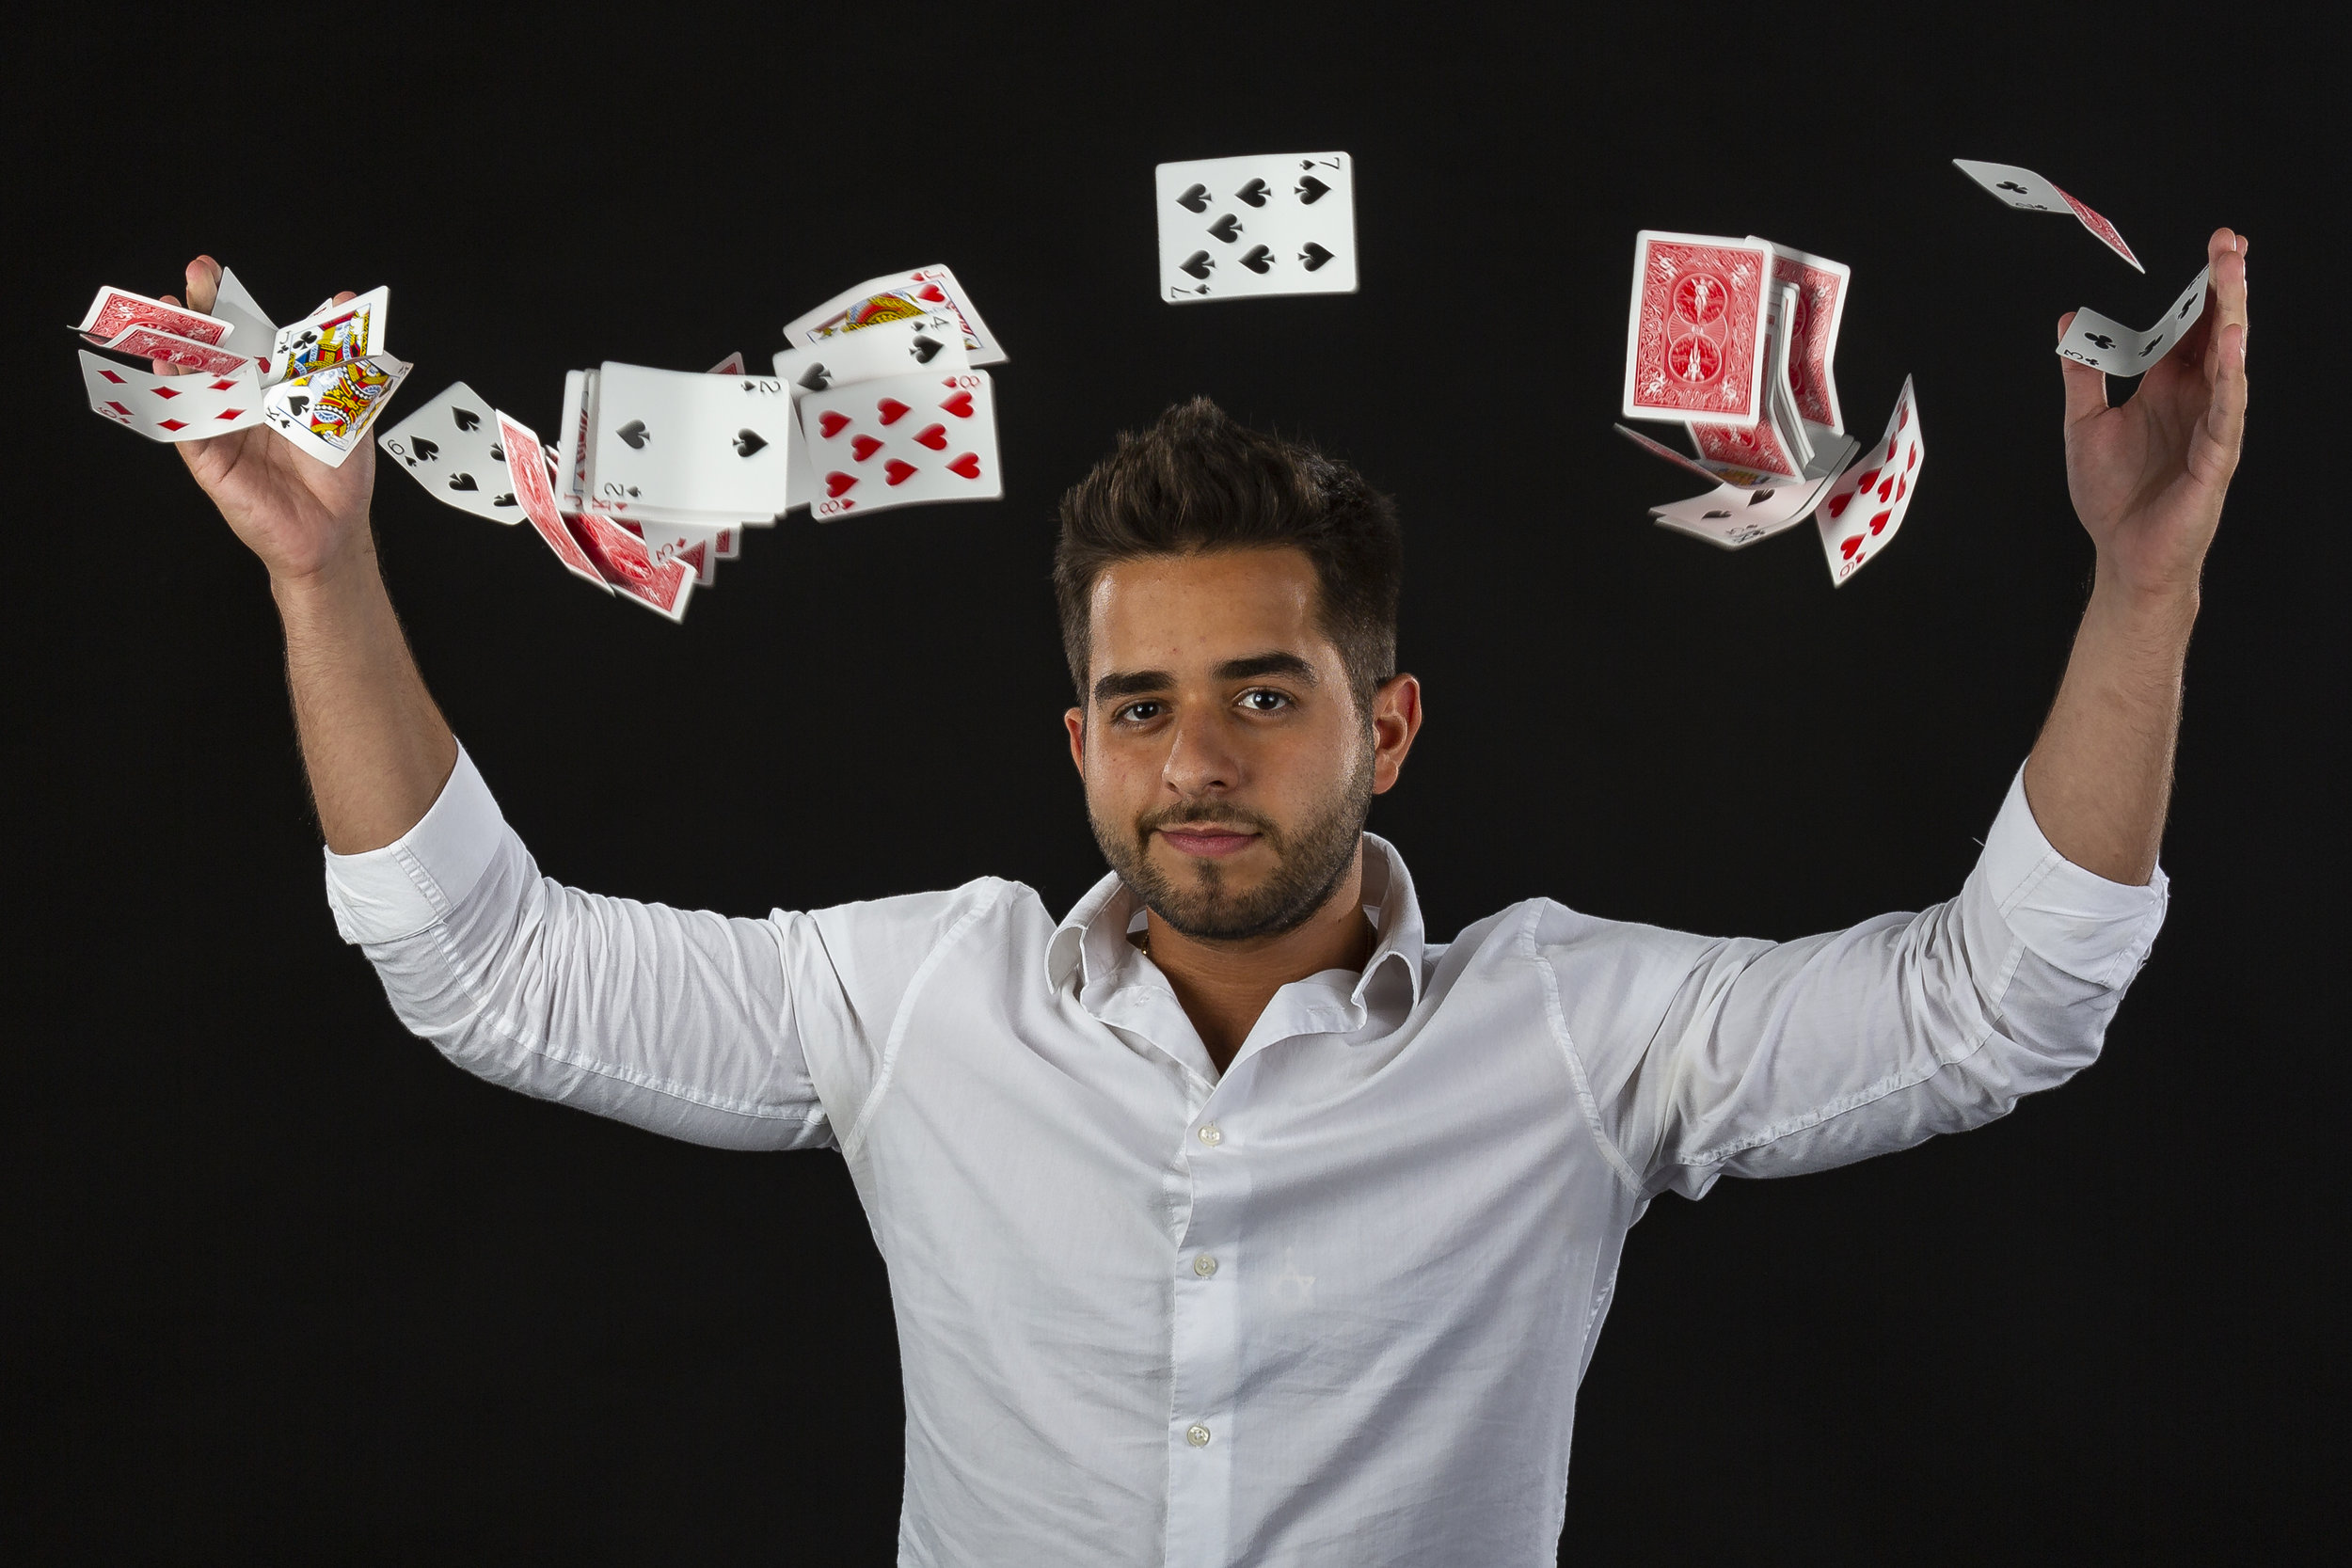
(1197, 481)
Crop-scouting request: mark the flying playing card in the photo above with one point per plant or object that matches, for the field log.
(677, 440)
(1859, 516)
(1694, 340)
(1269, 224)
(333, 334)
(152, 343)
(449, 446)
(902, 442)
(667, 542)
(527, 477)
(171, 407)
(1659, 449)
(926, 342)
(1821, 286)
(116, 309)
(731, 365)
(1769, 447)
(2026, 191)
(2107, 345)
(1734, 517)
(622, 558)
(327, 412)
(923, 291)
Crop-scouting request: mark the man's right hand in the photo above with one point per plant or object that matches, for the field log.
(299, 516)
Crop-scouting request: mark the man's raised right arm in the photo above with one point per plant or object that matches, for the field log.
(683, 1021)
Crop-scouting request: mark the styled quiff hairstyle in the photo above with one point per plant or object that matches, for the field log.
(1195, 482)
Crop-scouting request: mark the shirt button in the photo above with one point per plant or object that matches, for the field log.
(1204, 1265)
(1196, 1435)
(1211, 1135)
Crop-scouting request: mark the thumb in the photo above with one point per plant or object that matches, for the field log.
(2085, 388)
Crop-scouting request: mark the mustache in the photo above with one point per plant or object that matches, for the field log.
(1206, 813)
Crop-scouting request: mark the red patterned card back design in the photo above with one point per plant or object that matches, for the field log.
(1694, 344)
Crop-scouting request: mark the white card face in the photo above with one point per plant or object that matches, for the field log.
(1270, 224)
(570, 460)
(328, 413)
(731, 365)
(333, 334)
(254, 333)
(2107, 345)
(171, 407)
(897, 296)
(691, 441)
(901, 442)
(1734, 518)
(696, 546)
(915, 343)
(1863, 509)
(2021, 188)
(449, 446)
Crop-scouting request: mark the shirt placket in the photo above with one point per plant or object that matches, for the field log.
(1206, 1324)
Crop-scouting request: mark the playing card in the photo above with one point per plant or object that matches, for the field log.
(1659, 449)
(327, 412)
(925, 343)
(1769, 447)
(1695, 340)
(902, 442)
(1821, 286)
(527, 477)
(895, 298)
(1733, 517)
(333, 334)
(450, 446)
(1268, 224)
(171, 407)
(571, 442)
(1859, 516)
(731, 365)
(2029, 192)
(117, 309)
(676, 439)
(2107, 345)
(666, 541)
(622, 558)
(152, 343)
(250, 324)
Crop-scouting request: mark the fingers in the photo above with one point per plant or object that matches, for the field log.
(2222, 431)
(203, 283)
(343, 298)
(2227, 253)
(2085, 388)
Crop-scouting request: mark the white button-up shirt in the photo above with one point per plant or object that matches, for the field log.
(1331, 1306)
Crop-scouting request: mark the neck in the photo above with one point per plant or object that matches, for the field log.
(1225, 986)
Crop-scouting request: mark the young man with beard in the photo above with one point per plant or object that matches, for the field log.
(1231, 1218)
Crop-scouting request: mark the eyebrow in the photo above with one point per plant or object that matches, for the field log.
(1135, 682)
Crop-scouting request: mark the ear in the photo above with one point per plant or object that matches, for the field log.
(1395, 719)
(1076, 723)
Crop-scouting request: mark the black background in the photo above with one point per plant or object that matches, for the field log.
(280, 1280)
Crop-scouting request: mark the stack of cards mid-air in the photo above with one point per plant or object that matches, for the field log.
(320, 382)
(1273, 224)
(1736, 341)
(875, 402)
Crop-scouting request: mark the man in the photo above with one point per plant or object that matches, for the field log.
(1231, 1219)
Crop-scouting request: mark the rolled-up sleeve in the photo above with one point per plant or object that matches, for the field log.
(1774, 1059)
(681, 1021)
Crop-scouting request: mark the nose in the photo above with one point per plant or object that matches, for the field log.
(1199, 762)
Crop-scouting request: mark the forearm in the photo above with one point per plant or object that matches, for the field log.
(2099, 777)
(376, 748)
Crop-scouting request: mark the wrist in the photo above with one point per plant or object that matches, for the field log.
(2163, 601)
(341, 576)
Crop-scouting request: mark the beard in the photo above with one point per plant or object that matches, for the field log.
(1201, 902)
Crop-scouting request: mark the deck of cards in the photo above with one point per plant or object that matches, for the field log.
(876, 401)
(320, 382)
(1736, 341)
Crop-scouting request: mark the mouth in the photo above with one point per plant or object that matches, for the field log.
(1210, 841)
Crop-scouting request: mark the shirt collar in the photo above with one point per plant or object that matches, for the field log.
(1092, 941)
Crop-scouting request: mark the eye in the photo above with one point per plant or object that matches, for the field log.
(1137, 713)
(1262, 699)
